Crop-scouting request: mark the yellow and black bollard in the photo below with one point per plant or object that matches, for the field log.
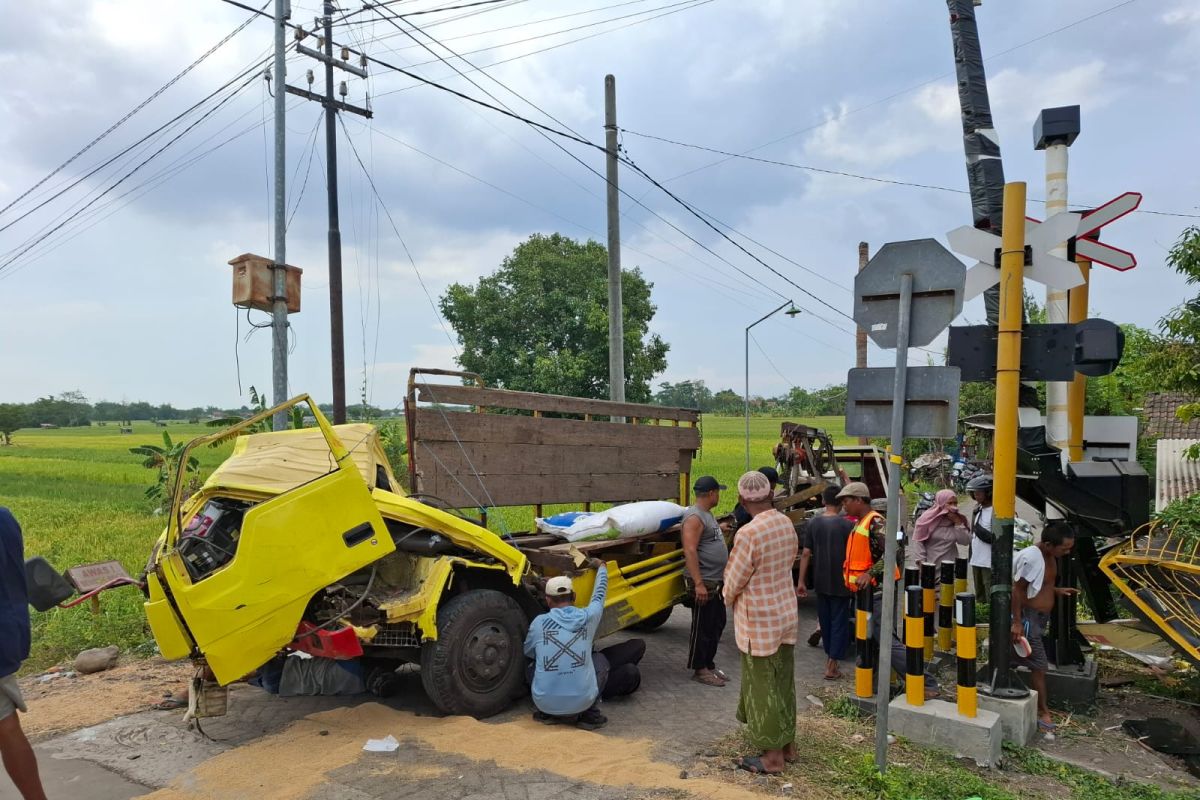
(929, 605)
(946, 607)
(914, 646)
(864, 667)
(961, 568)
(912, 576)
(964, 618)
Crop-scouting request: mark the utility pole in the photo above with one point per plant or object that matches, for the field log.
(616, 309)
(860, 333)
(337, 344)
(1008, 387)
(1055, 131)
(279, 313)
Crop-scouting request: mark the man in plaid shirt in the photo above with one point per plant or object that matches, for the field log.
(758, 586)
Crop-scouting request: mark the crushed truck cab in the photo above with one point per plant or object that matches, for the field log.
(304, 540)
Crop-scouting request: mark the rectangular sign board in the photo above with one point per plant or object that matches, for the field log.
(930, 408)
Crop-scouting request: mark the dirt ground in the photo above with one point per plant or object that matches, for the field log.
(68, 703)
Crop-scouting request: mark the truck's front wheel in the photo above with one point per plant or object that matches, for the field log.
(476, 667)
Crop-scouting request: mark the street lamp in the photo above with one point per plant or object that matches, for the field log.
(791, 312)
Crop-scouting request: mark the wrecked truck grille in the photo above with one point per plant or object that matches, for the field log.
(397, 634)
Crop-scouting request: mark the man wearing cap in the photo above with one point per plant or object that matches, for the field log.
(758, 585)
(704, 557)
(568, 679)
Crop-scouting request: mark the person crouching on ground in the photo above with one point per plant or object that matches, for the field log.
(1033, 594)
(939, 531)
(19, 760)
(704, 556)
(568, 679)
(758, 586)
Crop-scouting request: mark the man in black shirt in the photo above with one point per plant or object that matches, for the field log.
(825, 549)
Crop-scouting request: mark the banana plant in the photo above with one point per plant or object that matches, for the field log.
(164, 458)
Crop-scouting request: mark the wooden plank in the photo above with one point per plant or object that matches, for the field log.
(449, 426)
(540, 459)
(446, 394)
(465, 491)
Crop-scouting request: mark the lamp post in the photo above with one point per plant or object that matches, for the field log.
(791, 312)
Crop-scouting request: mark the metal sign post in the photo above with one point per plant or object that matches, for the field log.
(905, 296)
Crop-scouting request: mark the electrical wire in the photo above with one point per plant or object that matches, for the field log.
(403, 244)
(204, 56)
(453, 8)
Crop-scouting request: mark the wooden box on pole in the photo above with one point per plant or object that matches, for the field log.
(253, 283)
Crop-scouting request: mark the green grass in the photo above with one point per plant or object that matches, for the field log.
(1086, 785)
(78, 494)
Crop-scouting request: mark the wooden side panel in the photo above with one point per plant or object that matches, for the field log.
(480, 459)
(531, 401)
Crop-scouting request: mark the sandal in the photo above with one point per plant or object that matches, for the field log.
(710, 679)
(754, 765)
(1047, 728)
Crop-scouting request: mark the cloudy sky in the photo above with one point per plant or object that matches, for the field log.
(130, 299)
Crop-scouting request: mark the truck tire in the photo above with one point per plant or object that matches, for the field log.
(476, 666)
(654, 621)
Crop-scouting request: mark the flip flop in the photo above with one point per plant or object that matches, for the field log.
(754, 765)
(708, 680)
(169, 704)
(1047, 728)
(834, 677)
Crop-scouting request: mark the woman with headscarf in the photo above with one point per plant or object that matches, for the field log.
(758, 586)
(940, 530)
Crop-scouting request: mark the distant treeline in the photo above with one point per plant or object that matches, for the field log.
(73, 409)
(830, 401)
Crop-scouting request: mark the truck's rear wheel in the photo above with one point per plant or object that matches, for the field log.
(654, 621)
(476, 667)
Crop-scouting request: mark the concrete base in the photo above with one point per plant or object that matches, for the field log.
(1073, 688)
(866, 705)
(938, 724)
(1018, 718)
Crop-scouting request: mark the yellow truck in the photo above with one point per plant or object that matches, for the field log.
(305, 540)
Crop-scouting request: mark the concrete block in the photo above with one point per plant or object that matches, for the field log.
(1073, 688)
(938, 724)
(866, 705)
(1018, 717)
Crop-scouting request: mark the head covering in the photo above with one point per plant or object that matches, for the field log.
(935, 516)
(855, 489)
(558, 586)
(771, 473)
(754, 487)
(707, 484)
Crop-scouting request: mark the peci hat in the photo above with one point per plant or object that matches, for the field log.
(754, 487)
(855, 489)
(706, 484)
(558, 586)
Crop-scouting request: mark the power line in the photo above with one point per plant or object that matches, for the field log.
(902, 92)
(844, 174)
(396, 230)
(166, 125)
(452, 8)
(134, 111)
(123, 178)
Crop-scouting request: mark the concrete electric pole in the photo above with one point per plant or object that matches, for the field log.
(279, 312)
(860, 333)
(616, 316)
(337, 346)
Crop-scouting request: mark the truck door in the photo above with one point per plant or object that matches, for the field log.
(289, 547)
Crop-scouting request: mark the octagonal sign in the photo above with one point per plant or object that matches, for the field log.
(937, 292)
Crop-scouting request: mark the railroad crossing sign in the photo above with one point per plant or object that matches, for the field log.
(937, 291)
(1040, 239)
(1093, 221)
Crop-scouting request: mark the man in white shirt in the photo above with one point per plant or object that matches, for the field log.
(980, 489)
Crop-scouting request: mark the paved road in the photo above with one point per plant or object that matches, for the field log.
(649, 736)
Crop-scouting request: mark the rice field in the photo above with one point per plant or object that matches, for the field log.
(79, 496)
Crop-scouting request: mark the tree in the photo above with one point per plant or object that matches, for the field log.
(685, 394)
(540, 322)
(12, 419)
